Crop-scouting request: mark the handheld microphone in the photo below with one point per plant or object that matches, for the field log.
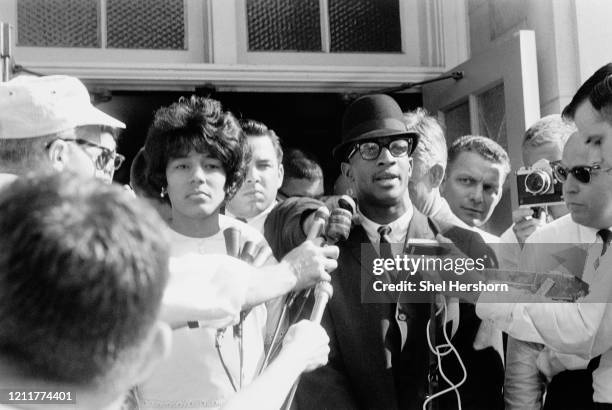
(334, 234)
(320, 219)
(247, 253)
(347, 203)
(232, 241)
(323, 292)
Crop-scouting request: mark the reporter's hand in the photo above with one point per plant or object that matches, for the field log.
(308, 344)
(525, 224)
(310, 263)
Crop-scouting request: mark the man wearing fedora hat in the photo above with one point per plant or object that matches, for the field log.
(379, 356)
(49, 123)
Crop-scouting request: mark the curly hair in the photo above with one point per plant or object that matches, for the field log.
(201, 125)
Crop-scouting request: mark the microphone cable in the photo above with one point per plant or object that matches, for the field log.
(437, 351)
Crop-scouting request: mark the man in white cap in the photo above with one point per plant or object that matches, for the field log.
(49, 123)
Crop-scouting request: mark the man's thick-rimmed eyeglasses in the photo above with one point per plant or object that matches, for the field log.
(582, 173)
(103, 159)
(370, 150)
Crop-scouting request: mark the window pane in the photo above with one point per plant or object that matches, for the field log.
(284, 25)
(58, 23)
(149, 24)
(457, 122)
(492, 115)
(365, 25)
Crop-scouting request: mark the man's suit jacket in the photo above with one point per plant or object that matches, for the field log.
(356, 375)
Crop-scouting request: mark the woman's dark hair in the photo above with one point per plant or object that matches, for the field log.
(198, 124)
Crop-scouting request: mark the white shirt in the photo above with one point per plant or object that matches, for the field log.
(193, 376)
(213, 296)
(441, 213)
(258, 220)
(489, 238)
(399, 227)
(583, 328)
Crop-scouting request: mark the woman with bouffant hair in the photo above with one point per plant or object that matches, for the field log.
(196, 157)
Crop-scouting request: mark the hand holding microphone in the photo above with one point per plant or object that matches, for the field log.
(339, 222)
(308, 344)
(310, 262)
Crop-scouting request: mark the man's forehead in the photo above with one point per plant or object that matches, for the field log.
(107, 140)
(473, 162)
(262, 147)
(577, 156)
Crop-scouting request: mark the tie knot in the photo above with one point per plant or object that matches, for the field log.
(384, 230)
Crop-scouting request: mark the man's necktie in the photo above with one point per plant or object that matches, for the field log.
(606, 237)
(393, 337)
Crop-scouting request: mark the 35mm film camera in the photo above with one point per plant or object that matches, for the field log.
(537, 186)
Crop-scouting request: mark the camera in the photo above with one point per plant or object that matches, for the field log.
(537, 185)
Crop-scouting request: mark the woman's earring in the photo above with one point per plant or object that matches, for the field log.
(163, 192)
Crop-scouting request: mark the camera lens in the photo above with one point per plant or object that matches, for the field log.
(537, 182)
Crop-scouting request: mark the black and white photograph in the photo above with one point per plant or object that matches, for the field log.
(305, 204)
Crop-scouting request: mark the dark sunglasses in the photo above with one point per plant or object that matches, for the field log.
(582, 173)
(370, 150)
(105, 157)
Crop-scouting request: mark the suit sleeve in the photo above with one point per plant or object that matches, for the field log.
(327, 387)
(283, 226)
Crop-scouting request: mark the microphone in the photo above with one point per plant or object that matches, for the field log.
(318, 223)
(232, 241)
(323, 292)
(347, 203)
(334, 234)
(248, 252)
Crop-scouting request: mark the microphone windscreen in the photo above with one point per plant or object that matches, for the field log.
(347, 203)
(232, 241)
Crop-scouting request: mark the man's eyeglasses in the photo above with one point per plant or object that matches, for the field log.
(370, 150)
(582, 173)
(102, 160)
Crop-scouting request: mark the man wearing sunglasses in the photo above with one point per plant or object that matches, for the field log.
(49, 123)
(583, 328)
(557, 246)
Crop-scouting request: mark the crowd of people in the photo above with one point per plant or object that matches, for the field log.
(192, 287)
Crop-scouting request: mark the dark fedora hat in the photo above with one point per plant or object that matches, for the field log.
(371, 117)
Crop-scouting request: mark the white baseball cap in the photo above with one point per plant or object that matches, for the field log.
(36, 106)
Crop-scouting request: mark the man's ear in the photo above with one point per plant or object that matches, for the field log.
(57, 154)
(155, 349)
(281, 175)
(443, 183)
(436, 175)
(411, 162)
(345, 169)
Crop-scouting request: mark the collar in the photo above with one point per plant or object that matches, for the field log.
(258, 220)
(399, 227)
